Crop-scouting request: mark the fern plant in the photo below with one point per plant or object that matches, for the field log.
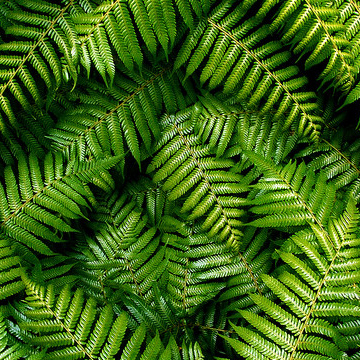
(179, 179)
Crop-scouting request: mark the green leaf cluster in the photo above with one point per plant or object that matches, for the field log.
(179, 180)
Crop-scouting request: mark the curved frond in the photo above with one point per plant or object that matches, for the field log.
(328, 32)
(122, 254)
(113, 121)
(130, 29)
(11, 271)
(290, 195)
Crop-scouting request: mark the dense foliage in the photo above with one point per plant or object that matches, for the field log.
(179, 179)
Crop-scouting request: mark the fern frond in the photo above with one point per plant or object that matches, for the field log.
(130, 29)
(11, 348)
(32, 196)
(69, 326)
(290, 195)
(247, 279)
(186, 167)
(47, 36)
(340, 164)
(257, 74)
(11, 270)
(127, 116)
(328, 32)
(125, 256)
(312, 292)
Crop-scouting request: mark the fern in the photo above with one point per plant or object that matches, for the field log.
(11, 271)
(179, 179)
(122, 123)
(185, 168)
(123, 256)
(289, 197)
(265, 77)
(128, 26)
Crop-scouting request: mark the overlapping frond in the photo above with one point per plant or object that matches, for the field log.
(11, 270)
(184, 166)
(68, 326)
(41, 53)
(71, 327)
(167, 191)
(327, 32)
(11, 348)
(338, 159)
(120, 119)
(313, 293)
(35, 193)
(195, 271)
(247, 63)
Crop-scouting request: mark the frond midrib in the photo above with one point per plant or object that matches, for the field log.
(333, 43)
(342, 155)
(69, 332)
(99, 23)
(38, 193)
(300, 198)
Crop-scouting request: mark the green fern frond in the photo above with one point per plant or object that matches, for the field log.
(47, 36)
(193, 271)
(33, 194)
(69, 326)
(127, 116)
(251, 264)
(308, 292)
(328, 32)
(124, 257)
(290, 195)
(11, 348)
(11, 270)
(130, 29)
(258, 74)
(186, 167)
